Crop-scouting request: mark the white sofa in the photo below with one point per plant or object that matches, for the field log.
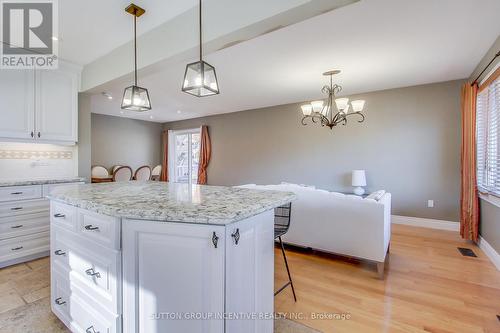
(342, 224)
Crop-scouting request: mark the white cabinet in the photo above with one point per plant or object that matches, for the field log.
(17, 104)
(250, 263)
(40, 105)
(172, 269)
(176, 269)
(56, 104)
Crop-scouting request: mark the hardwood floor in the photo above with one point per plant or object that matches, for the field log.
(429, 287)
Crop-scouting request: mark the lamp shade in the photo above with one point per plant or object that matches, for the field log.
(200, 79)
(358, 178)
(136, 99)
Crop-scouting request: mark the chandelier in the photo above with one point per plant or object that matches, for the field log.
(324, 114)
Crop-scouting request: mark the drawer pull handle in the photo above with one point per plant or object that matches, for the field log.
(16, 208)
(90, 227)
(91, 272)
(59, 215)
(59, 253)
(215, 239)
(17, 248)
(59, 301)
(16, 226)
(236, 236)
(91, 330)
(15, 193)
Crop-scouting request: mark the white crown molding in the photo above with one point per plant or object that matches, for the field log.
(490, 252)
(426, 223)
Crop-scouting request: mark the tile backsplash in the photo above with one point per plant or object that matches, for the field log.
(37, 160)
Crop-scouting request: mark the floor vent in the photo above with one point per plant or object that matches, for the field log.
(466, 252)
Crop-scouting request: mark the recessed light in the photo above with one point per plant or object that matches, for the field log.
(107, 95)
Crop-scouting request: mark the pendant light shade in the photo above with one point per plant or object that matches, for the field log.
(200, 79)
(135, 98)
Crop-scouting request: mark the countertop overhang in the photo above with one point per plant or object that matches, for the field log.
(40, 181)
(172, 202)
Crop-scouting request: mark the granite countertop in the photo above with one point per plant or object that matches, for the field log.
(160, 201)
(21, 182)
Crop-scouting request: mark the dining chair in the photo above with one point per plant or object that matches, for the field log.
(114, 168)
(143, 173)
(122, 174)
(155, 174)
(99, 171)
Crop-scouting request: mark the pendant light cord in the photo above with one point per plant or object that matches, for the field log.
(201, 50)
(135, 46)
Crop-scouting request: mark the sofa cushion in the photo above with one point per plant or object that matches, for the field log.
(377, 195)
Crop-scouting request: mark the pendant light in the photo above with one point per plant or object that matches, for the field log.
(135, 98)
(200, 79)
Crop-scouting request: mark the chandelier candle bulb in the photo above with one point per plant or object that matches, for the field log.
(317, 106)
(306, 109)
(342, 103)
(358, 105)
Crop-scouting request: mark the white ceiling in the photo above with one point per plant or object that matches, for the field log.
(378, 44)
(92, 28)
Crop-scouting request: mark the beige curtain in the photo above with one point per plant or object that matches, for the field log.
(205, 154)
(164, 163)
(469, 201)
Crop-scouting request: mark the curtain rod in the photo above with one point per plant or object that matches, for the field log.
(485, 68)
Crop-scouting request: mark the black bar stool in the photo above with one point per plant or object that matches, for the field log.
(282, 216)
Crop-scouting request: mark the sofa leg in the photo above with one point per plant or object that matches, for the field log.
(380, 270)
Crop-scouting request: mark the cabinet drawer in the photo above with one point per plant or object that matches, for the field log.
(60, 295)
(13, 193)
(78, 312)
(102, 229)
(21, 225)
(93, 268)
(13, 248)
(14, 208)
(63, 215)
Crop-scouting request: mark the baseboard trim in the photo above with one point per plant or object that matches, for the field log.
(490, 252)
(426, 223)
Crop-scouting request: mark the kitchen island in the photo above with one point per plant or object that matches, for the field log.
(163, 257)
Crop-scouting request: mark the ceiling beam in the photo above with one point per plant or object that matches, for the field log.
(226, 23)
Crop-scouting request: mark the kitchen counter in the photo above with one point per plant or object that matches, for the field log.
(160, 201)
(22, 182)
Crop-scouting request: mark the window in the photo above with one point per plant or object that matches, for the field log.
(184, 156)
(488, 137)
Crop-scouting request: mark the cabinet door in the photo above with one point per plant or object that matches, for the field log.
(250, 274)
(172, 272)
(17, 102)
(56, 104)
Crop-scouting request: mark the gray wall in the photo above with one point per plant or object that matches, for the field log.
(408, 145)
(84, 136)
(123, 141)
(490, 214)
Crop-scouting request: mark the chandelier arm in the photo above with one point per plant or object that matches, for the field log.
(302, 121)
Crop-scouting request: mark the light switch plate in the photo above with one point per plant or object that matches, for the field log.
(430, 203)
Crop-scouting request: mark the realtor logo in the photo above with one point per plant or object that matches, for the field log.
(29, 32)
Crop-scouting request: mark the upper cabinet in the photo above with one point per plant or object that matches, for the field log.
(17, 104)
(40, 105)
